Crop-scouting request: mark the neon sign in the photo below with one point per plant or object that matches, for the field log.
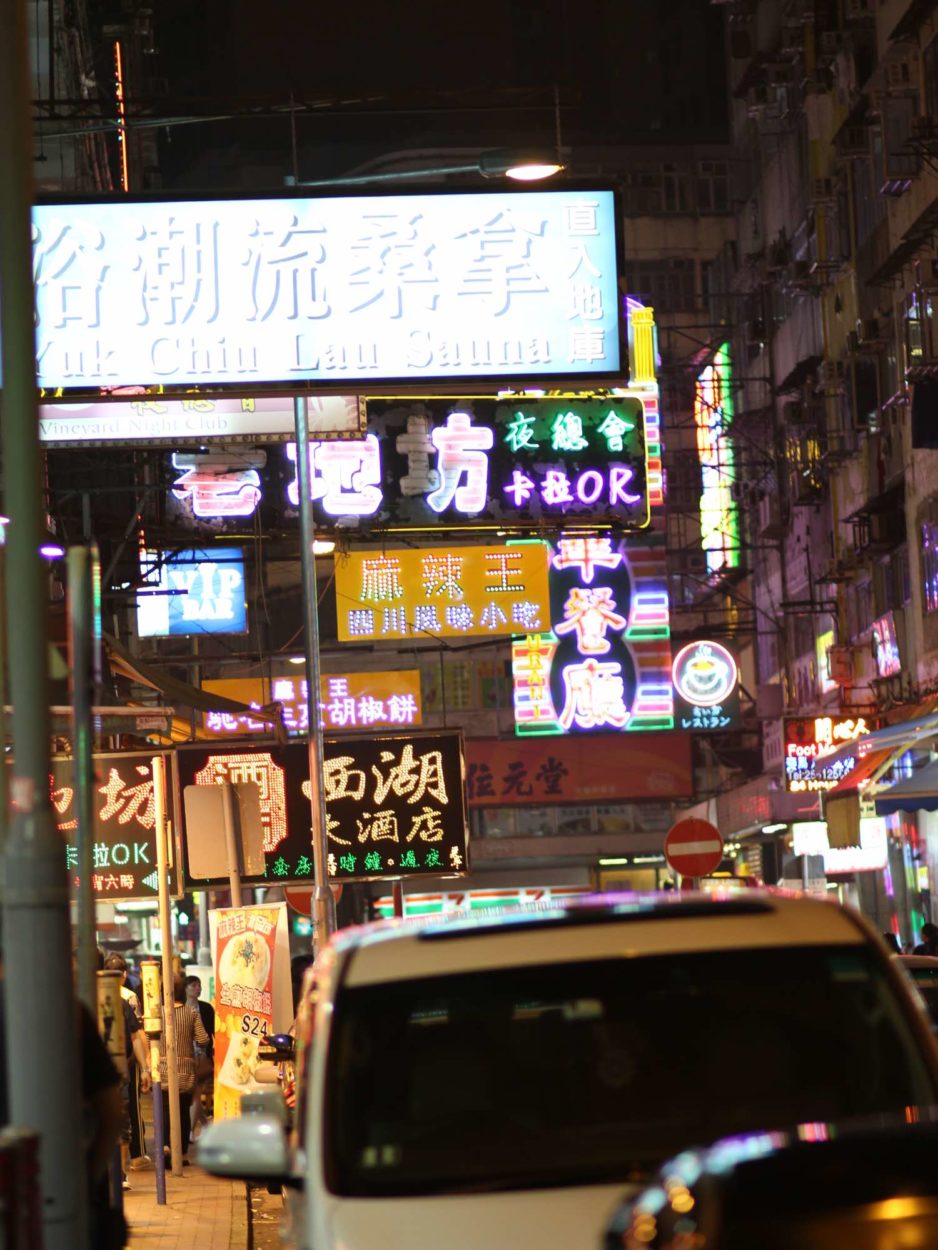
(809, 740)
(234, 493)
(368, 700)
(442, 592)
(605, 664)
(886, 646)
(192, 592)
(706, 685)
(483, 461)
(713, 416)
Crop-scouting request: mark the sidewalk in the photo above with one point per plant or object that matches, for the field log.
(201, 1213)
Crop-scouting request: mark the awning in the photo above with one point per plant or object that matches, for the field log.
(901, 736)
(121, 661)
(918, 793)
(841, 805)
(868, 768)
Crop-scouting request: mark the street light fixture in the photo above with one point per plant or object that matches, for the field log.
(519, 164)
(524, 165)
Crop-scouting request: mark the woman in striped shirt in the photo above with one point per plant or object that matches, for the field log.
(189, 1030)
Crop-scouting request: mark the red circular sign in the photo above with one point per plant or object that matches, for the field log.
(694, 848)
(300, 897)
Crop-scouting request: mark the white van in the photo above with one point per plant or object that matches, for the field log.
(499, 1082)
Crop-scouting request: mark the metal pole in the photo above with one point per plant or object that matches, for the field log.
(323, 902)
(204, 957)
(80, 632)
(166, 959)
(4, 796)
(232, 850)
(397, 897)
(45, 1085)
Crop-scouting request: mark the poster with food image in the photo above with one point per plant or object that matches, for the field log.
(251, 958)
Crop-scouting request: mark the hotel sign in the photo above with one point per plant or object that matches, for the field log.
(441, 592)
(292, 290)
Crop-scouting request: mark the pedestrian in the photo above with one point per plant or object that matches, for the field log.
(929, 942)
(189, 1030)
(204, 1055)
(138, 1067)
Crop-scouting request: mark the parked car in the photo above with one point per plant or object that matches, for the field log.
(923, 971)
(871, 1186)
(494, 1080)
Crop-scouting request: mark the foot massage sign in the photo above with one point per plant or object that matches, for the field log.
(250, 953)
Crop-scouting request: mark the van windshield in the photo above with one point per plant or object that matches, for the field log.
(584, 1072)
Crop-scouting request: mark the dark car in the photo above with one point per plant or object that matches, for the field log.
(872, 1186)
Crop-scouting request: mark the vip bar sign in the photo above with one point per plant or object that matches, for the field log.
(395, 807)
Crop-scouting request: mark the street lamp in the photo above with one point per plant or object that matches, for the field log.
(524, 165)
(519, 164)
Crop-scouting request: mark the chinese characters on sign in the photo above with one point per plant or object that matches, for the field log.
(191, 592)
(347, 701)
(809, 740)
(706, 687)
(395, 807)
(480, 460)
(606, 662)
(713, 415)
(344, 289)
(250, 955)
(441, 592)
(604, 768)
(124, 849)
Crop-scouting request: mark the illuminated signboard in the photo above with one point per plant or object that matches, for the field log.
(396, 807)
(228, 493)
(289, 290)
(192, 592)
(808, 740)
(606, 662)
(578, 769)
(713, 416)
(475, 461)
(347, 701)
(706, 687)
(157, 420)
(886, 646)
(416, 779)
(441, 592)
(124, 850)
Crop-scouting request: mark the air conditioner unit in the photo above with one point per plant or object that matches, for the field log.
(823, 191)
(770, 517)
(900, 75)
(832, 375)
(854, 141)
(869, 332)
(691, 561)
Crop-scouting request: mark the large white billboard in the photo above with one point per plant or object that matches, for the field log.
(344, 290)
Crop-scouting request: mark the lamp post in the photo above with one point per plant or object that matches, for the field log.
(521, 165)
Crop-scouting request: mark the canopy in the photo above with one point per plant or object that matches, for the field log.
(918, 793)
(897, 737)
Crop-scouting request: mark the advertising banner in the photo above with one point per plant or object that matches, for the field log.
(809, 739)
(124, 851)
(448, 592)
(388, 700)
(192, 592)
(338, 291)
(251, 958)
(606, 661)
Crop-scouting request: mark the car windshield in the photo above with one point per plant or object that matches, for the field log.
(583, 1072)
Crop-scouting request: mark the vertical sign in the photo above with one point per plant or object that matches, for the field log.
(250, 954)
(713, 416)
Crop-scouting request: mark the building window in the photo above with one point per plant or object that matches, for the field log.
(654, 189)
(930, 566)
(667, 285)
(712, 187)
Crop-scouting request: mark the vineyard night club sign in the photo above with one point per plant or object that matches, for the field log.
(606, 662)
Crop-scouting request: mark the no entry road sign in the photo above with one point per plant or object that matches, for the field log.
(693, 848)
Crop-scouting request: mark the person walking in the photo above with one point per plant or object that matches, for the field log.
(138, 1066)
(205, 1055)
(189, 1031)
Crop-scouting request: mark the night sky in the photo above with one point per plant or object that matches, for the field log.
(382, 77)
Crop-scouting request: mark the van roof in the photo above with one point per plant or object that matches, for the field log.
(589, 927)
